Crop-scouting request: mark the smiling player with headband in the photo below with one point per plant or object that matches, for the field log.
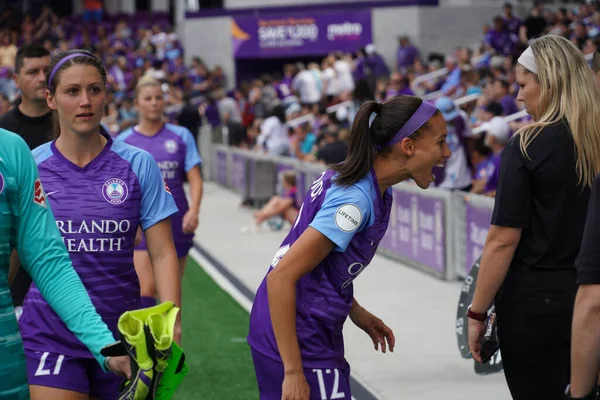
(301, 305)
(100, 192)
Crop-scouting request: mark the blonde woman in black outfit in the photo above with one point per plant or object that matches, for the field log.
(528, 261)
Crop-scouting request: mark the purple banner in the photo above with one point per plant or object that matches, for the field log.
(238, 173)
(416, 230)
(221, 167)
(300, 34)
(478, 223)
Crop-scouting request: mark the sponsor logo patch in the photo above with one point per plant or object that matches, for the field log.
(39, 197)
(348, 217)
(115, 191)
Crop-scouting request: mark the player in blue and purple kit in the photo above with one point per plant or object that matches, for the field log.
(175, 151)
(301, 306)
(100, 192)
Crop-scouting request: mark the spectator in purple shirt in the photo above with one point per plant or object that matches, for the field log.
(497, 133)
(398, 85)
(407, 53)
(500, 38)
(500, 89)
(512, 22)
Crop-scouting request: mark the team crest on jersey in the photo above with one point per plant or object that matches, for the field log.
(1, 183)
(171, 146)
(167, 187)
(115, 191)
(39, 197)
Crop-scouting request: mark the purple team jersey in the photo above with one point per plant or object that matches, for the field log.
(174, 149)
(98, 209)
(354, 218)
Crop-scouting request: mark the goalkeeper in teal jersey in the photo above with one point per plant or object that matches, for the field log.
(27, 225)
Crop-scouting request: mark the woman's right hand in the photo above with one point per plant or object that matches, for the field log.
(295, 387)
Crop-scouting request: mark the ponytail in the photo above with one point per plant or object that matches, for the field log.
(361, 147)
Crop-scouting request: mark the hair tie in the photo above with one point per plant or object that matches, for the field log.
(425, 111)
(379, 108)
(64, 60)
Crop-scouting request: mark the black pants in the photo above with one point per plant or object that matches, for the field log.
(534, 310)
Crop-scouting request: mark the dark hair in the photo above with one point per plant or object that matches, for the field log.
(279, 112)
(29, 51)
(86, 58)
(480, 147)
(494, 108)
(390, 117)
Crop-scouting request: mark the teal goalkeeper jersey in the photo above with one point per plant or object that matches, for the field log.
(27, 225)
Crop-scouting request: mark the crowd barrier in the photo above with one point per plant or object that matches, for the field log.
(436, 230)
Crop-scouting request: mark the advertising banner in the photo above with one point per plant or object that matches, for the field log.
(478, 224)
(296, 35)
(416, 230)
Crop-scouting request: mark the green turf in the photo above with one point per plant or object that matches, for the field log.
(214, 332)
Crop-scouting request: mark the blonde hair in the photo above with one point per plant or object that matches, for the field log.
(568, 90)
(145, 81)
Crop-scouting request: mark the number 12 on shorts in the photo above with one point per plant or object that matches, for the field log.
(335, 394)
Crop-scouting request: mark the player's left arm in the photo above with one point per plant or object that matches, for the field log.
(193, 163)
(156, 209)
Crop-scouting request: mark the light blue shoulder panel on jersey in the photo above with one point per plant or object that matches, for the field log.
(42, 153)
(157, 201)
(344, 212)
(124, 135)
(43, 254)
(192, 157)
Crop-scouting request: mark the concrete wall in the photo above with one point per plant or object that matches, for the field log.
(210, 39)
(160, 5)
(389, 23)
(444, 28)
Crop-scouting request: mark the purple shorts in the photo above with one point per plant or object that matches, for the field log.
(324, 383)
(82, 375)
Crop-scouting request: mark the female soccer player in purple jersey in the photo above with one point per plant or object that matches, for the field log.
(175, 151)
(301, 306)
(100, 192)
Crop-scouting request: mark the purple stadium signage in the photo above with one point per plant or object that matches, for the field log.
(301, 34)
(416, 230)
(221, 167)
(238, 172)
(478, 224)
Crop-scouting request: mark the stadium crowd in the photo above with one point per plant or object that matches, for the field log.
(305, 111)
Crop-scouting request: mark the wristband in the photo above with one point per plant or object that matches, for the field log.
(476, 316)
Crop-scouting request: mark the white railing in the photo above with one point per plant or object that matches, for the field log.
(508, 118)
(465, 99)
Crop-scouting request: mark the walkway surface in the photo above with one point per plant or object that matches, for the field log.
(419, 308)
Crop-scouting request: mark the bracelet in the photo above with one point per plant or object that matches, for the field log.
(476, 316)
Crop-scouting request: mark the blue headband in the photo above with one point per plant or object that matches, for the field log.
(64, 60)
(425, 111)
